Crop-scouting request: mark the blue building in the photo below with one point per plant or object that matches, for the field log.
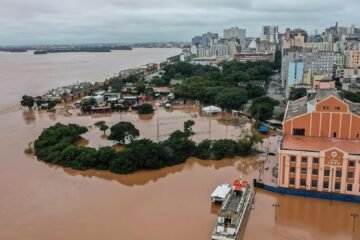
(295, 73)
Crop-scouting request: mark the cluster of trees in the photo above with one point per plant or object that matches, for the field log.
(102, 126)
(229, 74)
(352, 96)
(198, 88)
(262, 108)
(145, 108)
(56, 145)
(29, 102)
(225, 148)
(211, 85)
(296, 93)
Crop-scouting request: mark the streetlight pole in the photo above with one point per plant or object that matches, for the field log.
(276, 205)
(331, 186)
(354, 216)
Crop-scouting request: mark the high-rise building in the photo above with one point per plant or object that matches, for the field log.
(295, 73)
(352, 59)
(201, 44)
(236, 33)
(294, 38)
(320, 147)
(270, 34)
(315, 63)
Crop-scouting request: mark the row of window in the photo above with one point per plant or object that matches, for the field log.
(315, 172)
(327, 108)
(314, 184)
(315, 160)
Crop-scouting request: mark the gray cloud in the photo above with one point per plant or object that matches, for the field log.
(81, 21)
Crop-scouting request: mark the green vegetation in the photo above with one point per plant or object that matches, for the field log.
(29, 150)
(27, 101)
(262, 108)
(99, 123)
(352, 96)
(231, 98)
(145, 108)
(296, 93)
(89, 102)
(104, 128)
(56, 145)
(226, 148)
(212, 85)
(123, 132)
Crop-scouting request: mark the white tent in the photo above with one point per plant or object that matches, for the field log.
(211, 109)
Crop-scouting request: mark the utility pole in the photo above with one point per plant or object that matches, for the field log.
(331, 186)
(157, 125)
(209, 128)
(276, 205)
(226, 124)
(354, 215)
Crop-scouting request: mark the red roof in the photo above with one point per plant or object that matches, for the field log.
(238, 184)
(319, 144)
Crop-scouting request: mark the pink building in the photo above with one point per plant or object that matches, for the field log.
(324, 84)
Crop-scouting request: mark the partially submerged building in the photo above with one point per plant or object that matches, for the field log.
(320, 150)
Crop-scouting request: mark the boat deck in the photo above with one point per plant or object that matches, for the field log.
(233, 203)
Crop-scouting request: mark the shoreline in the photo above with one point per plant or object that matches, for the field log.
(14, 106)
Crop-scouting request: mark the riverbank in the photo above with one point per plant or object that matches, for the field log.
(26, 73)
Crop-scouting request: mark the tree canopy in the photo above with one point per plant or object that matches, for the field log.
(145, 108)
(231, 98)
(296, 93)
(57, 145)
(262, 108)
(123, 132)
(27, 101)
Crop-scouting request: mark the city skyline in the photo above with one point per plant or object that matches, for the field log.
(79, 21)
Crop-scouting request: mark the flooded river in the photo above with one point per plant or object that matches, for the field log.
(42, 201)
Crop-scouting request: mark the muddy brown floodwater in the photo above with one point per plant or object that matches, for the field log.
(42, 201)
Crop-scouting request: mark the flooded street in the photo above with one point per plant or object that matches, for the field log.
(42, 201)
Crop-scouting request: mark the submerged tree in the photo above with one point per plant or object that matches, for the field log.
(27, 101)
(104, 127)
(123, 132)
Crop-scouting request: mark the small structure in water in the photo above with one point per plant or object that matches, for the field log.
(234, 212)
(220, 193)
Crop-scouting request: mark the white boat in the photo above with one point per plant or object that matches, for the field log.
(220, 193)
(234, 212)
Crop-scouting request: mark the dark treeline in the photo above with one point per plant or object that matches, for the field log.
(57, 145)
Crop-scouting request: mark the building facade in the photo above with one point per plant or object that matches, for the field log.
(236, 33)
(254, 57)
(270, 34)
(320, 150)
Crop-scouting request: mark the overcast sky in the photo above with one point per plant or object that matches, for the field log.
(92, 21)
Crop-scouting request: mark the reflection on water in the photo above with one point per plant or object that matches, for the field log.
(28, 116)
(144, 177)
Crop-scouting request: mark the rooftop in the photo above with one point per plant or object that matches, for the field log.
(296, 108)
(301, 143)
(299, 106)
